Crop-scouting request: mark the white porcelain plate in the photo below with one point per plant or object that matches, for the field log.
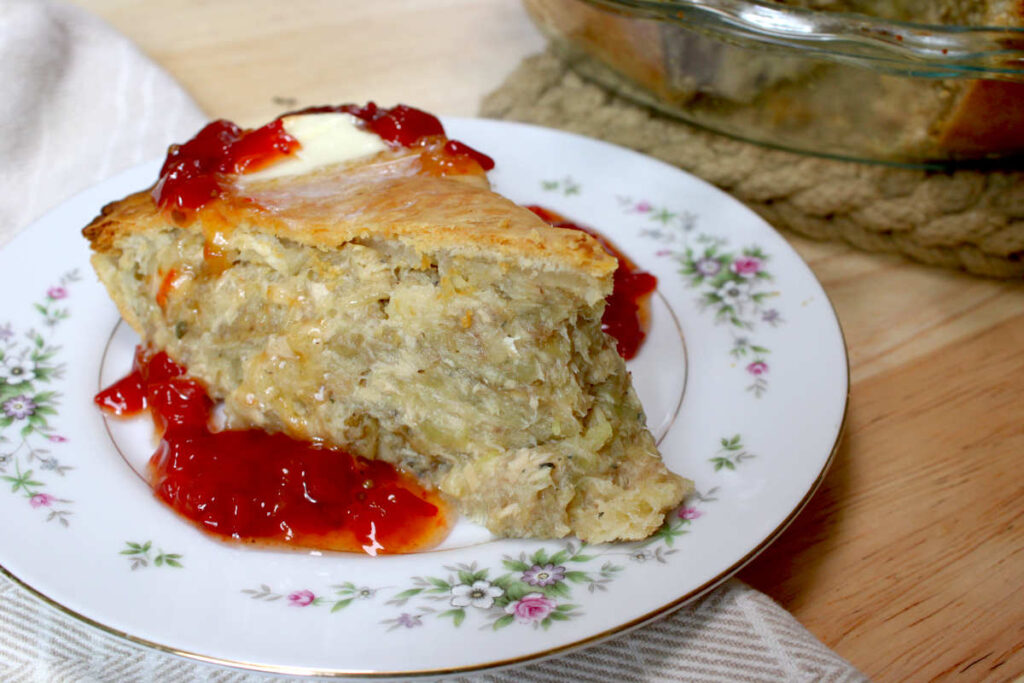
(751, 409)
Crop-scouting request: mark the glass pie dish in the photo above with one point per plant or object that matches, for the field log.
(836, 84)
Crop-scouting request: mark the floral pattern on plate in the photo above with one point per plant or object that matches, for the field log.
(534, 589)
(733, 284)
(29, 367)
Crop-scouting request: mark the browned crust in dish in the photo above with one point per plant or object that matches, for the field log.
(778, 97)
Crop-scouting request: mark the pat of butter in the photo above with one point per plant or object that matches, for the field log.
(325, 139)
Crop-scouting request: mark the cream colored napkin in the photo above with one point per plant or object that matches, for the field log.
(82, 103)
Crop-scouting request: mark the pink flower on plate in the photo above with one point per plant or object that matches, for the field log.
(689, 513)
(758, 367)
(643, 207)
(56, 293)
(57, 438)
(41, 500)
(302, 598)
(746, 266)
(531, 607)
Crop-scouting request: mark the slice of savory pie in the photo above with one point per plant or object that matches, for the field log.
(345, 275)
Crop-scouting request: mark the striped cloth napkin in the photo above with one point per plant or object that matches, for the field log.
(81, 103)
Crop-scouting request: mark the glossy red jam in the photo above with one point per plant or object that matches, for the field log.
(251, 486)
(625, 314)
(194, 173)
(401, 124)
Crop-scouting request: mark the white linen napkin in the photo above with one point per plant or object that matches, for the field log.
(79, 104)
(83, 103)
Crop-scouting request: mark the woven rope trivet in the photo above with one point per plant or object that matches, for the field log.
(966, 219)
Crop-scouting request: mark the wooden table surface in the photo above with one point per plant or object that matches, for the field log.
(909, 561)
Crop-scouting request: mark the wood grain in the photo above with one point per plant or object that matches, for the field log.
(917, 535)
(910, 560)
(251, 60)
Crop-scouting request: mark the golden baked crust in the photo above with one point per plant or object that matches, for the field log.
(384, 198)
(418, 319)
